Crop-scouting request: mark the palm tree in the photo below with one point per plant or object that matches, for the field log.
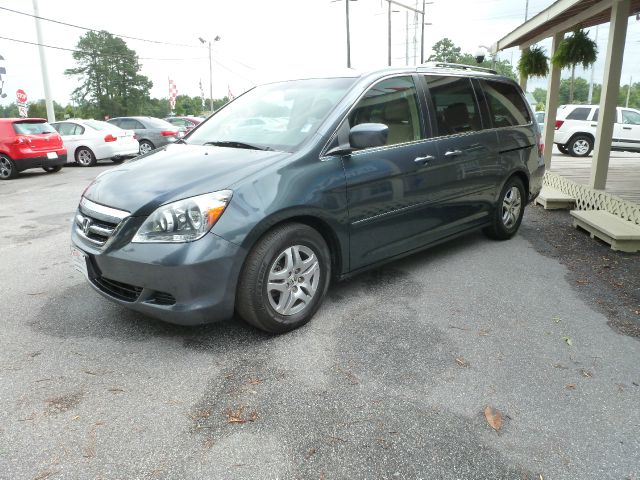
(533, 63)
(576, 49)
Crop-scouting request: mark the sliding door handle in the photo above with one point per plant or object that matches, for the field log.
(424, 160)
(453, 153)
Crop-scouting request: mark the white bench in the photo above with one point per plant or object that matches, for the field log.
(621, 234)
(552, 199)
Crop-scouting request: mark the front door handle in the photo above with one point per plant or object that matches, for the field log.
(424, 160)
(594, 124)
(626, 128)
(453, 153)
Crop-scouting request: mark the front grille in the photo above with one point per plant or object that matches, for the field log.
(97, 223)
(119, 290)
(94, 230)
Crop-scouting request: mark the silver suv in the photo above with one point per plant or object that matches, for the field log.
(575, 129)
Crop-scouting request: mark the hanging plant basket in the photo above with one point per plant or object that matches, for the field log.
(533, 63)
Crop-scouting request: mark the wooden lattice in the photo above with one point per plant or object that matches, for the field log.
(589, 199)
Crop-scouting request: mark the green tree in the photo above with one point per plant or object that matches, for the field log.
(445, 51)
(576, 49)
(533, 63)
(9, 111)
(38, 109)
(580, 91)
(540, 94)
(108, 73)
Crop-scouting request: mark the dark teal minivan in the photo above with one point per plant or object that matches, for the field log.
(296, 183)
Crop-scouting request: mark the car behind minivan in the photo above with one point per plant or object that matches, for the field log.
(296, 183)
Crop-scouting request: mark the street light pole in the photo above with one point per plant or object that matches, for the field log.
(51, 117)
(202, 40)
(389, 33)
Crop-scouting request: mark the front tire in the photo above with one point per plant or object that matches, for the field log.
(8, 170)
(53, 169)
(284, 278)
(563, 149)
(85, 157)
(508, 216)
(580, 146)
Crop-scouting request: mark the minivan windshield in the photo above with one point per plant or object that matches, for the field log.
(277, 116)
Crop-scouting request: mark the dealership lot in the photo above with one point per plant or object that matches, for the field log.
(389, 380)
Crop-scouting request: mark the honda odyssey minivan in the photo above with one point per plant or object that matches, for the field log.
(296, 183)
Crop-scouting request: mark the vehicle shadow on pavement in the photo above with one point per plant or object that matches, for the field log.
(79, 312)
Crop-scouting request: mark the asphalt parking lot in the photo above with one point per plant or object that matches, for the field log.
(389, 380)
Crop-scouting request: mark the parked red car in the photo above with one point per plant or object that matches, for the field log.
(29, 143)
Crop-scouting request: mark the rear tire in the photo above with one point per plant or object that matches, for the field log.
(145, 147)
(284, 279)
(580, 146)
(508, 214)
(8, 169)
(563, 149)
(54, 169)
(85, 157)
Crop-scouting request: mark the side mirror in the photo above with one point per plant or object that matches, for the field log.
(367, 135)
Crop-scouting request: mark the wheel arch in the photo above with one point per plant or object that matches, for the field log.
(584, 134)
(337, 248)
(523, 176)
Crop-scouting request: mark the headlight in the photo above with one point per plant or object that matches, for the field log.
(185, 220)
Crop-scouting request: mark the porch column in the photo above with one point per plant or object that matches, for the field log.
(551, 107)
(609, 97)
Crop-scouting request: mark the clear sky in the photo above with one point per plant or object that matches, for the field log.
(260, 39)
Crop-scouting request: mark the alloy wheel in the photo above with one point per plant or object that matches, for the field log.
(511, 207)
(145, 148)
(580, 147)
(84, 157)
(5, 167)
(293, 280)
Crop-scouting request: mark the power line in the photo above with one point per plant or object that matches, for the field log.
(97, 31)
(88, 52)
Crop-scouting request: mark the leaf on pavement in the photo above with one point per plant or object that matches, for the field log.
(462, 362)
(494, 418)
(570, 386)
(568, 340)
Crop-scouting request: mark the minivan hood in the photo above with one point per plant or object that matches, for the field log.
(175, 172)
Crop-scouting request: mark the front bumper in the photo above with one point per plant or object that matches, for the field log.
(183, 283)
(39, 162)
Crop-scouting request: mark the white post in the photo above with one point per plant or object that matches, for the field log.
(551, 107)
(629, 92)
(51, 117)
(609, 97)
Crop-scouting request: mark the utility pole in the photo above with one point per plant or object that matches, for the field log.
(389, 33)
(406, 38)
(629, 91)
(51, 117)
(346, 2)
(422, 34)
(590, 99)
(526, 10)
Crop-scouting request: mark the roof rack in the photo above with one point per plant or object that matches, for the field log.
(458, 65)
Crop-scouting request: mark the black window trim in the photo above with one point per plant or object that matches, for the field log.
(532, 115)
(423, 121)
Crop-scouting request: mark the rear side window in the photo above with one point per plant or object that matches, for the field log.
(393, 102)
(455, 104)
(630, 117)
(506, 105)
(130, 124)
(32, 128)
(580, 113)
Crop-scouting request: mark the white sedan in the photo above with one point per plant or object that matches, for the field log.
(88, 141)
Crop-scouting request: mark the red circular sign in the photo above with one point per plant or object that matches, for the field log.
(21, 96)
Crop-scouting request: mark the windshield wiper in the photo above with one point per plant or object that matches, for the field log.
(234, 144)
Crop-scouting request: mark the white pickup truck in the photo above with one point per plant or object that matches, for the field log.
(575, 129)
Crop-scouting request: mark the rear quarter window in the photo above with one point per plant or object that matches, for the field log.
(580, 113)
(455, 104)
(506, 105)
